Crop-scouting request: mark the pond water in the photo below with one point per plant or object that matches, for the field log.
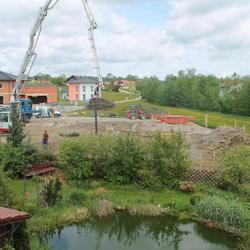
(125, 232)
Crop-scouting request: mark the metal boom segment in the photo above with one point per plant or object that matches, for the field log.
(30, 55)
(92, 27)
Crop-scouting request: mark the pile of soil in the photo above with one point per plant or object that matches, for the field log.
(100, 104)
(222, 138)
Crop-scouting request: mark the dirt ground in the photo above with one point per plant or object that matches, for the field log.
(58, 130)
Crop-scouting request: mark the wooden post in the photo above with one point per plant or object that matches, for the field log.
(201, 159)
(206, 120)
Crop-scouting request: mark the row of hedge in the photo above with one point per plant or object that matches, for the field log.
(126, 159)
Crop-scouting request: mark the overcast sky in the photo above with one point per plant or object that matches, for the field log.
(142, 37)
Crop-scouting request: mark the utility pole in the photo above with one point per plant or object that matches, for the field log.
(96, 124)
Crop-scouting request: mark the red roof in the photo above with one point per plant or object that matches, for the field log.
(11, 215)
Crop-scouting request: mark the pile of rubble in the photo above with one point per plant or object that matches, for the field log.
(224, 137)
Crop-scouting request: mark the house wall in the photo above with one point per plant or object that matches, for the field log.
(81, 92)
(42, 90)
(39, 90)
(74, 91)
(87, 91)
(5, 90)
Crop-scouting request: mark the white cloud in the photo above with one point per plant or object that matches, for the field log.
(212, 36)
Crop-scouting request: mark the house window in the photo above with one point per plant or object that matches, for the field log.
(83, 88)
(92, 88)
(76, 96)
(92, 96)
(84, 97)
(1, 85)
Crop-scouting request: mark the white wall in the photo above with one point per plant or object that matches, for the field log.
(88, 92)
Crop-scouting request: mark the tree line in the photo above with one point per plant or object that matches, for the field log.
(202, 92)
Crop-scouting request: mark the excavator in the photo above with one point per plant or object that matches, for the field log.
(25, 105)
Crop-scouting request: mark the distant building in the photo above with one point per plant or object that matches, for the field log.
(38, 93)
(81, 88)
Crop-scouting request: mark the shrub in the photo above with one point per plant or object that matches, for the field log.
(77, 198)
(167, 159)
(245, 191)
(51, 192)
(125, 160)
(220, 210)
(16, 160)
(195, 198)
(72, 158)
(7, 198)
(148, 180)
(234, 168)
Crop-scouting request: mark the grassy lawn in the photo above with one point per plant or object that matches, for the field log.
(119, 96)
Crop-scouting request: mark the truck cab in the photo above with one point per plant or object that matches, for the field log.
(5, 121)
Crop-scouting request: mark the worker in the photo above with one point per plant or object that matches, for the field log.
(45, 139)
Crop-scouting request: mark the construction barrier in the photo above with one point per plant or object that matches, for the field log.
(172, 119)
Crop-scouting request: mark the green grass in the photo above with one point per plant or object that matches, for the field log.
(119, 96)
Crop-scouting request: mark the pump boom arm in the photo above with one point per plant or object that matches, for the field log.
(92, 27)
(30, 55)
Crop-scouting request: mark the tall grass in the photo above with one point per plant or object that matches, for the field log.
(230, 213)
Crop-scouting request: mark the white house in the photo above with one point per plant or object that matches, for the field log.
(81, 88)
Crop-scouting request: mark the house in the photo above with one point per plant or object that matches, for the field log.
(38, 93)
(65, 95)
(81, 88)
(7, 82)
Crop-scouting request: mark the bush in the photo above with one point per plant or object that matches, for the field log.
(195, 198)
(72, 158)
(125, 160)
(7, 198)
(167, 159)
(230, 213)
(148, 180)
(234, 168)
(15, 160)
(77, 198)
(51, 192)
(245, 191)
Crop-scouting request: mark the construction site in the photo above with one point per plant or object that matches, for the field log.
(203, 144)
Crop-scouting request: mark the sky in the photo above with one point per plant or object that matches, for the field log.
(141, 37)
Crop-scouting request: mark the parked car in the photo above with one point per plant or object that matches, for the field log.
(46, 112)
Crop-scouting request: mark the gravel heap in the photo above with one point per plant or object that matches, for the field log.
(222, 138)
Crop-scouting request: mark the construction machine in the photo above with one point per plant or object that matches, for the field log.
(135, 112)
(30, 57)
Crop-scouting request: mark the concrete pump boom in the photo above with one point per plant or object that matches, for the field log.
(92, 27)
(30, 55)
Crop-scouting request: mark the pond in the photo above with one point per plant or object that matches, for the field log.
(126, 232)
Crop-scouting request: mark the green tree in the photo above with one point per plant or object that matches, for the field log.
(234, 168)
(16, 135)
(167, 159)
